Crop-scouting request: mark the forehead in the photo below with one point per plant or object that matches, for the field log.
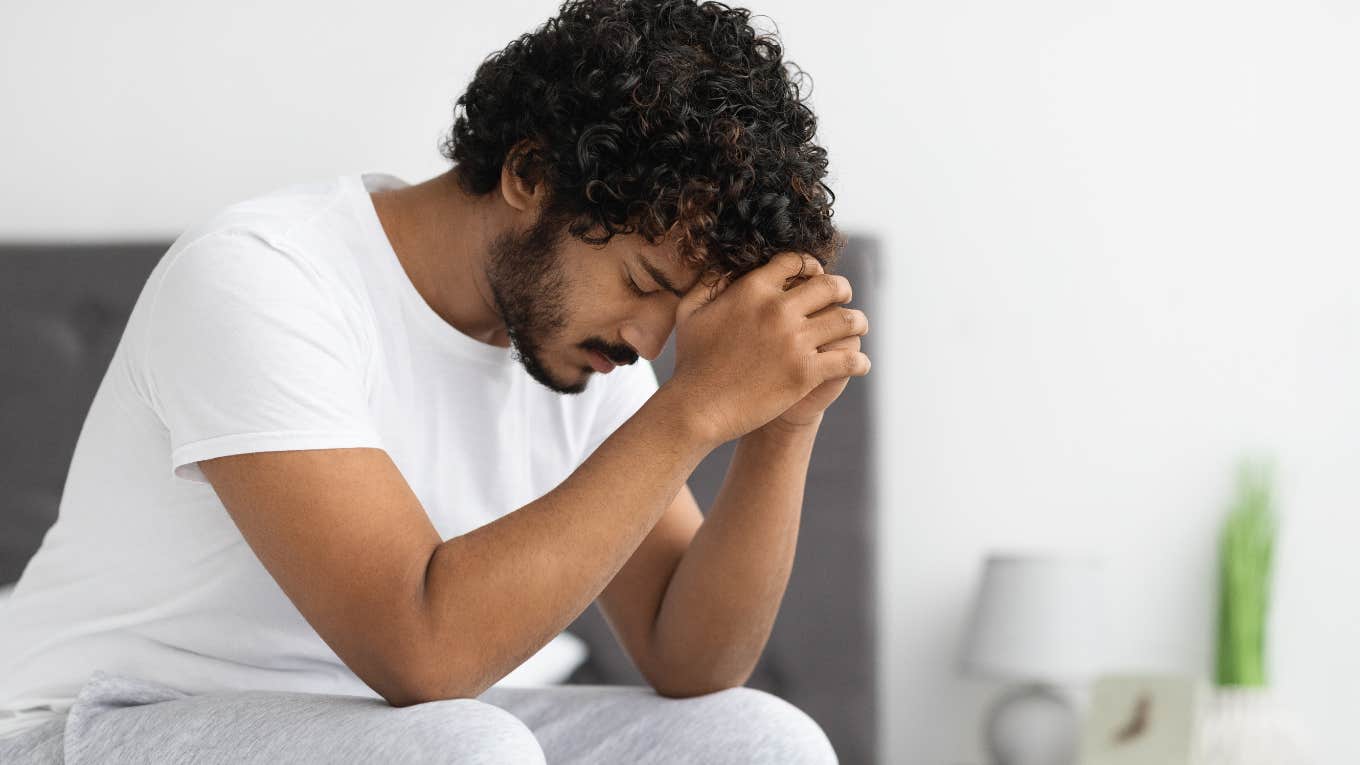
(663, 257)
(666, 266)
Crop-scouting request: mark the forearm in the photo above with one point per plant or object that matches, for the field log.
(497, 594)
(721, 603)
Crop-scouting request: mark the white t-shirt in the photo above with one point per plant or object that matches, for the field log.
(284, 322)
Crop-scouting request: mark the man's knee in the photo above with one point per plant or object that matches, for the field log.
(464, 731)
(751, 726)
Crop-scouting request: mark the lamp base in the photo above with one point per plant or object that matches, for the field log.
(1033, 724)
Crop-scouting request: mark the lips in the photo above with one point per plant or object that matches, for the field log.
(600, 363)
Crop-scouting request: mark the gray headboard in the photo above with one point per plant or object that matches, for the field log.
(62, 312)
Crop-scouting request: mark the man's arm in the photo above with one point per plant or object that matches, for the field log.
(695, 605)
(419, 619)
(555, 555)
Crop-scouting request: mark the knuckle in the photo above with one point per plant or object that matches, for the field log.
(844, 292)
(827, 284)
(850, 364)
(804, 262)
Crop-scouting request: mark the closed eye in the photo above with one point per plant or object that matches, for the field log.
(632, 285)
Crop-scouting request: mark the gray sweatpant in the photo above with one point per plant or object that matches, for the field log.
(121, 719)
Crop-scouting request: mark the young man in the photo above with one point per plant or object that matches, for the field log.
(363, 448)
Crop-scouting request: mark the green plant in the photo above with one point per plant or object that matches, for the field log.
(1246, 550)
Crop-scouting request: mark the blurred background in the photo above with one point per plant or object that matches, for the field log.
(1118, 249)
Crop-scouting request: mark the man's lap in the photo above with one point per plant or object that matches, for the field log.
(122, 719)
(633, 724)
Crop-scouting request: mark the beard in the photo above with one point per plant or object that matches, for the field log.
(528, 281)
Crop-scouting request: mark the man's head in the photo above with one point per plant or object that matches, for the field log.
(647, 143)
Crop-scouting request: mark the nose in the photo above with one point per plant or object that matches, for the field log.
(648, 334)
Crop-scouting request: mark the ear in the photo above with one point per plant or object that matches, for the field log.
(522, 186)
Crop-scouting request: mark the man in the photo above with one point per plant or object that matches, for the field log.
(402, 459)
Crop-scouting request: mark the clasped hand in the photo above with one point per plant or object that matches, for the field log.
(773, 348)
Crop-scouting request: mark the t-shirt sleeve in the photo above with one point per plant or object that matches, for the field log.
(246, 349)
(630, 387)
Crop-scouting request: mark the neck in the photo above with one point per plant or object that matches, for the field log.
(441, 236)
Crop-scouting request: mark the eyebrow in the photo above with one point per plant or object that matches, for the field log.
(660, 277)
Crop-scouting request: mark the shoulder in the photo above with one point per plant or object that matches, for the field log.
(282, 241)
(275, 214)
(274, 260)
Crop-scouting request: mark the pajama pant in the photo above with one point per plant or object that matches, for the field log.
(121, 719)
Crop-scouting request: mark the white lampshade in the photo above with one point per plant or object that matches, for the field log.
(1037, 618)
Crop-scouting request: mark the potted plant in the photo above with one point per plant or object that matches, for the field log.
(1244, 724)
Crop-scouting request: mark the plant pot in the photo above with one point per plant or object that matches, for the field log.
(1243, 725)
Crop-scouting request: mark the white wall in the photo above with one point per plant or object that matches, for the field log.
(1121, 243)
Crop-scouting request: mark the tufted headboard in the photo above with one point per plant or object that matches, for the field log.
(62, 312)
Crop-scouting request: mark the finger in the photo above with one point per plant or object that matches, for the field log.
(834, 323)
(850, 342)
(810, 267)
(785, 267)
(818, 292)
(833, 365)
(710, 285)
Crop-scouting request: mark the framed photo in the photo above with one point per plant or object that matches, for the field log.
(1141, 720)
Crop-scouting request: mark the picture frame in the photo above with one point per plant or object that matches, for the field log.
(1142, 719)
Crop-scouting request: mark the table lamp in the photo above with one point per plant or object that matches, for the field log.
(1037, 622)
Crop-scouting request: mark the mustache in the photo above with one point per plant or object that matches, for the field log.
(621, 355)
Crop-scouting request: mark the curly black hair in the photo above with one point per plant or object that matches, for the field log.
(643, 115)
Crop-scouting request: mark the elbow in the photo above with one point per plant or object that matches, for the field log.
(408, 686)
(696, 673)
(429, 666)
(427, 687)
(415, 695)
(403, 697)
(420, 681)
(689, 682)
(688, 690)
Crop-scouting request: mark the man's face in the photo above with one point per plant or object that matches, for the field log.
(562, 300)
